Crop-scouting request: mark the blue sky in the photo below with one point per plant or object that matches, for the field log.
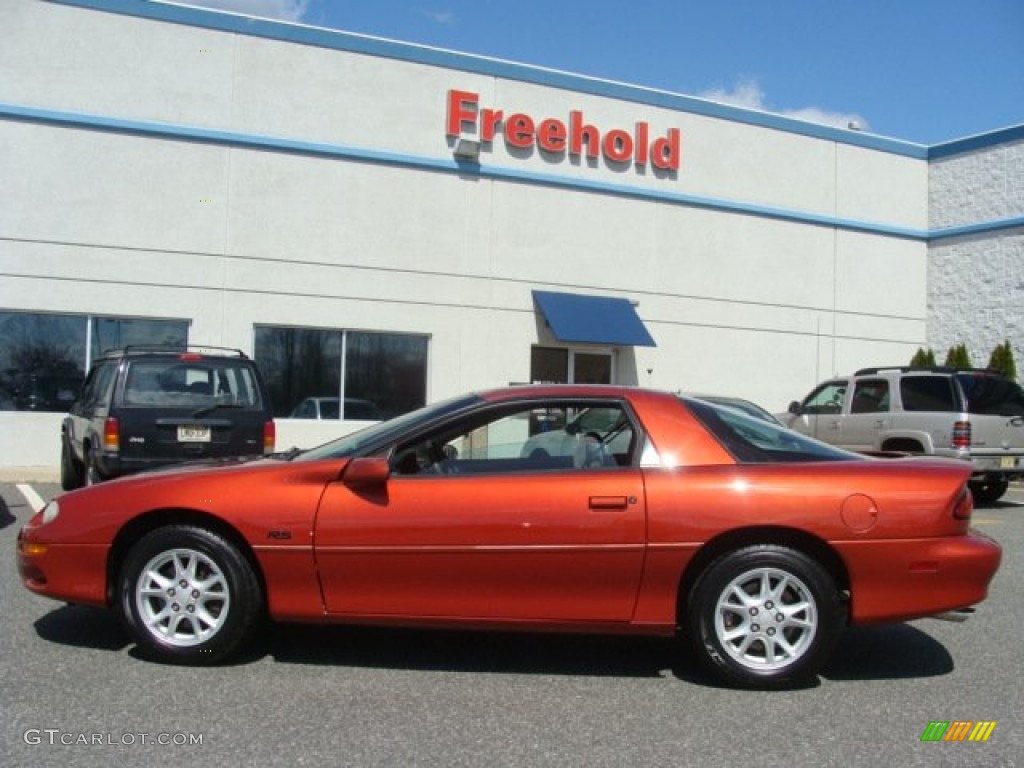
(925, 71)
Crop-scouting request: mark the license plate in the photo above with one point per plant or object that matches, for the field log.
(1007, 462)
(192, 433)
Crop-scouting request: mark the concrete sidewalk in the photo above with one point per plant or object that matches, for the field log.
(29, 475)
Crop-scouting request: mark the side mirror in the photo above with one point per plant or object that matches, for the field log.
(794, 408)
(366, 472)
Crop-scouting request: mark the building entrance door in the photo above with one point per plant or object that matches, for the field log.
(555, 365)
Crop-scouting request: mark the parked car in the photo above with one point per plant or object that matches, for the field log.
(968, 414)
(756, 543)
(327, 408)
(148, 407)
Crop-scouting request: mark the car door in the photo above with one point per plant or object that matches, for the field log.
(869, 416)
(820, 413)
(471, 525)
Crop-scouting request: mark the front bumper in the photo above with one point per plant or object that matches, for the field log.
(72, 573)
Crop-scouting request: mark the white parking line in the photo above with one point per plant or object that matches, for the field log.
(34, 499)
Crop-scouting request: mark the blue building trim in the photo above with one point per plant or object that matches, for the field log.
(979, 228)
(973, 143)
(177, 132)
(315, 148)
(232, 139)
(506, 70)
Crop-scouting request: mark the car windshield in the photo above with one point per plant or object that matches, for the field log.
(329, 408)
(374, 437)
(756, 441)
(991, 395)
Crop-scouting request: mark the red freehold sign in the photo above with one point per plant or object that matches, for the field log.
(574, 137)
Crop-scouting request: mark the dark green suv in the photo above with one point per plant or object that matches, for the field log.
(145, 407)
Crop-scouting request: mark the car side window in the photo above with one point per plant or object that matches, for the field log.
(98, 387)
(524, 438)
(88, 390)
(826, 399)
(927, 393)
(870, 396)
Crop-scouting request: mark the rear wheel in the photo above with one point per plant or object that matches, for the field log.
(71, 471)
(989, 489)
(189, 596)
(764, 617)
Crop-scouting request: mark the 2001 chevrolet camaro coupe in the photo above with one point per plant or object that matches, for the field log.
(544, 508)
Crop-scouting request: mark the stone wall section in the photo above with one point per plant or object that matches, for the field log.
(976, 281)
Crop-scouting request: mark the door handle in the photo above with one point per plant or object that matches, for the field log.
(608, 502)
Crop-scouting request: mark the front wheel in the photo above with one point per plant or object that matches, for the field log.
(188, 595)
(764, 617)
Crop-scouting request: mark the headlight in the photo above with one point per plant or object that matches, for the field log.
(50, 512)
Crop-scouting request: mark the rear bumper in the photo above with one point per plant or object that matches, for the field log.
(908, 579)
(1005, 465)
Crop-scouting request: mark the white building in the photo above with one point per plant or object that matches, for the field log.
(381, 221)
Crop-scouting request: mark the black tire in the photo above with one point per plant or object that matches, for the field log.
(189, 596)
(989, 490)
(782, 630)
(71, 471)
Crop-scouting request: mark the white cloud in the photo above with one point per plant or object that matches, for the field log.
(285, 10)
(749, 95)
(746, 94)
(447, 18)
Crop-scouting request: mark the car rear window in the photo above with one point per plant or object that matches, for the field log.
(193, 383)
(991, 395)
(752, 440)
(927, 393)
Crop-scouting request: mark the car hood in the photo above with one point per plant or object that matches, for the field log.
(230, 490)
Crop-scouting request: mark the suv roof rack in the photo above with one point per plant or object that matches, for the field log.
(169, 349)
(925, 369)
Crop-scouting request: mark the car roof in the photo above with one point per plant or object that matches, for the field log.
(158, 351)
(554, 391)
(934, 369)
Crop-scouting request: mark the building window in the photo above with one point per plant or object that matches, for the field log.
(330, 374)
(554, 365)
(119, 332)
(44, 356)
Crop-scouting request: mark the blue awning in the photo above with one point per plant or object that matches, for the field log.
(574, 318)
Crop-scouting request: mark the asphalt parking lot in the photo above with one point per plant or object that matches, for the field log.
(74, 693)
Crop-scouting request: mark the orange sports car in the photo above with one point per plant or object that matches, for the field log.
(541, 508)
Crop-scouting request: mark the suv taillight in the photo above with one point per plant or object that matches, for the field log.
(111, 435)
(962, 434)
(269, 436)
